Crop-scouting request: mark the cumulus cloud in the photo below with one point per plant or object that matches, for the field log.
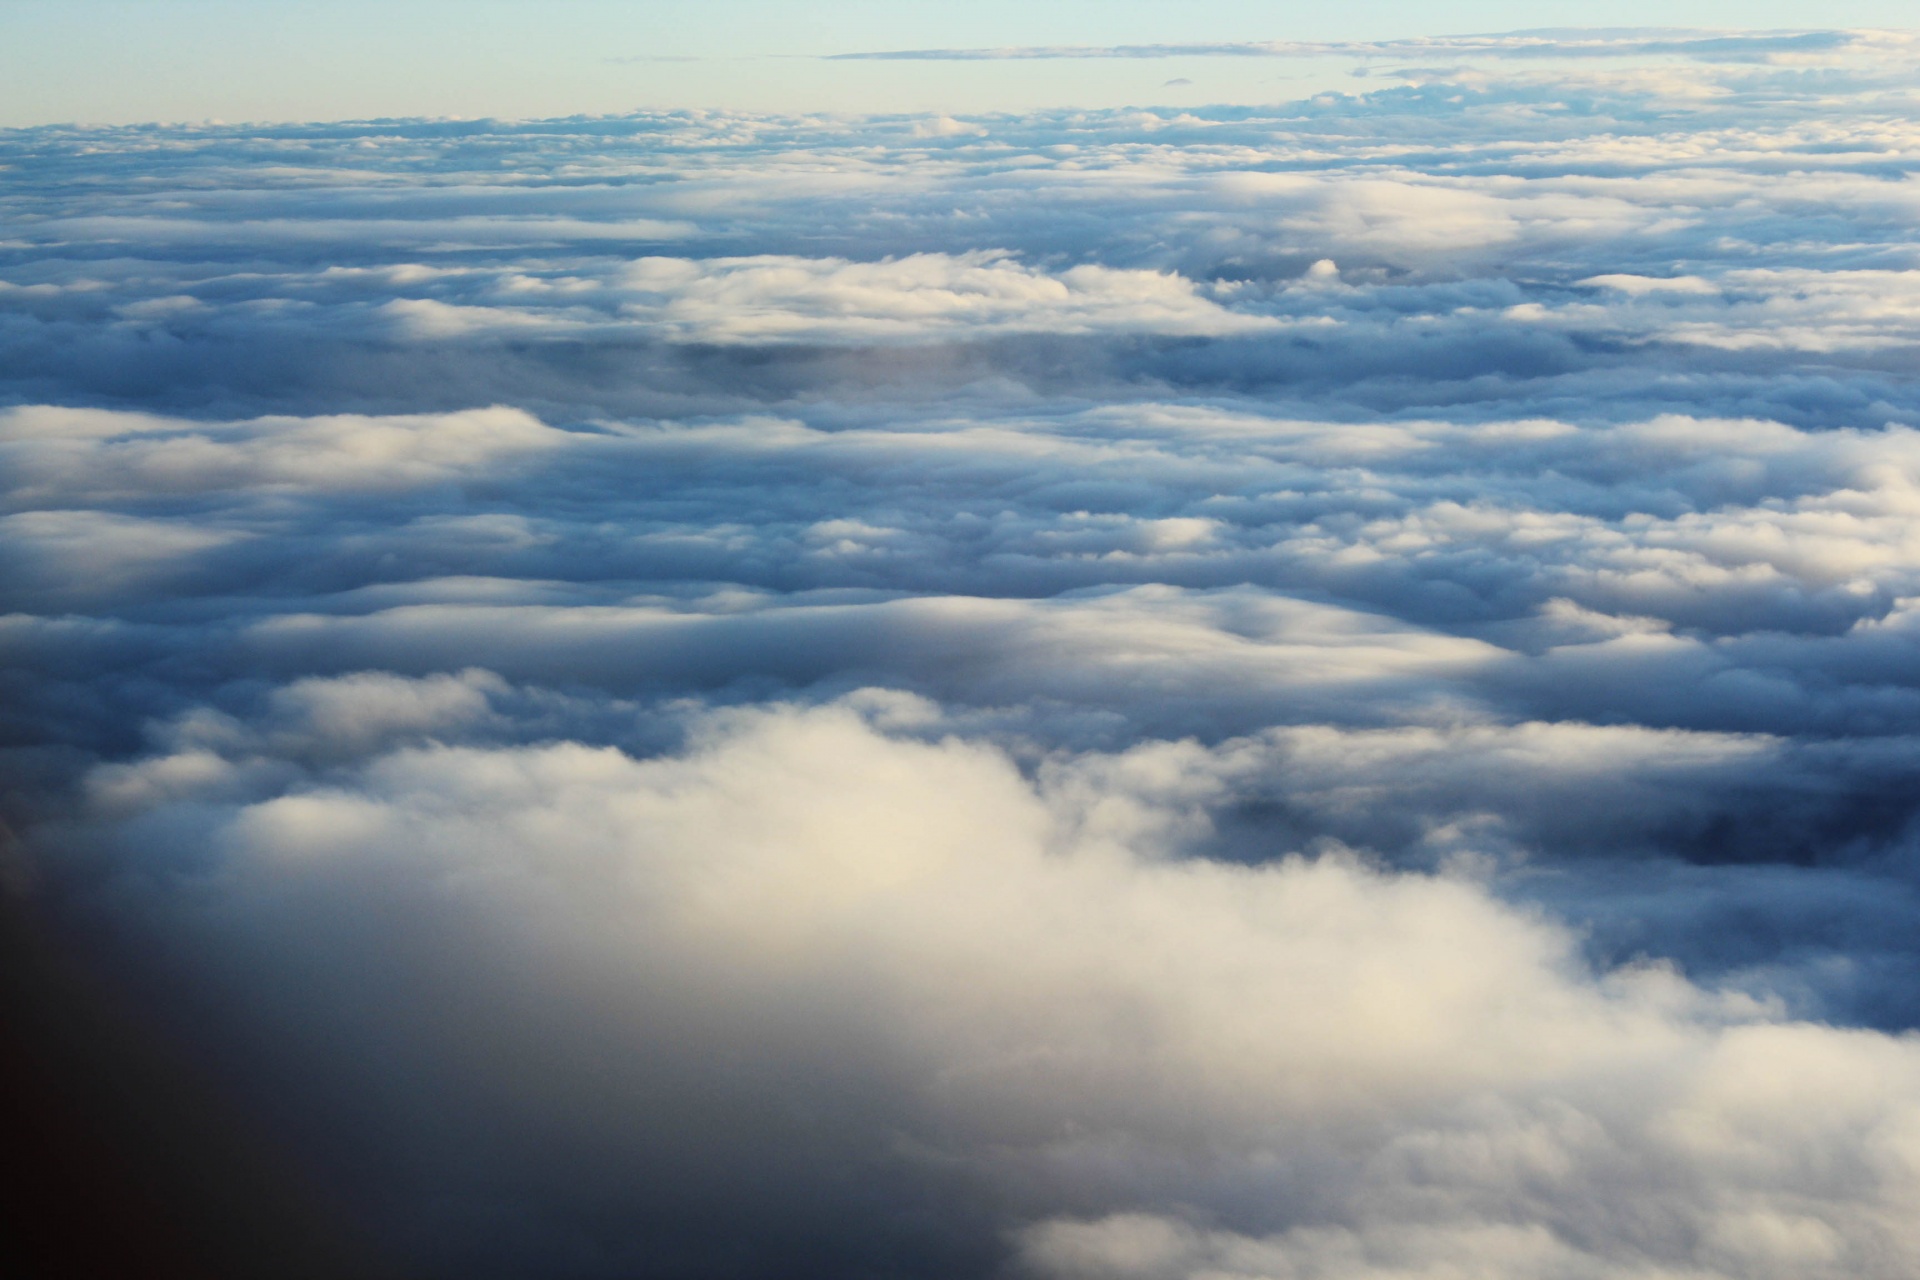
(1324, 690)
(767, 299)
(1156, 1062)
(58, 455)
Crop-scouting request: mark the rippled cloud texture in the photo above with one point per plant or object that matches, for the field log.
(1324, 692)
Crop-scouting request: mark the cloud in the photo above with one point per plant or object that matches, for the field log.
(769, 299)
(1040, 1003)
(1706, 45)
(60, 455)
(100, 551)
(1315, 689)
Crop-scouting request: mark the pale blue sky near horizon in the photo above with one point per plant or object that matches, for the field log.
(126, 61)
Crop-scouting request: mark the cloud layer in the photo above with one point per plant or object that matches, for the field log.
(1620, 42)
(1322, 691)
(890, 957)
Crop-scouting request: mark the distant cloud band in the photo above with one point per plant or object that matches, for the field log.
(1704, 45)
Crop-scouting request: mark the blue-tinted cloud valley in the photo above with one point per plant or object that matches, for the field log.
(1322, 692)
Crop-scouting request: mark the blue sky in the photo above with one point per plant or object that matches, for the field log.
(121, 61)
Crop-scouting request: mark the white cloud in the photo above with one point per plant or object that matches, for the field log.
(58, 455)
(1358, 1070)
(1158, 645)
(786, 299)
(83, 552)
(1789, 47)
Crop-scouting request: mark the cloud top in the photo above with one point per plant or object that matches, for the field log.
(1323, 689)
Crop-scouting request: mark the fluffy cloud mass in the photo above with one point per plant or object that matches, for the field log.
(1327, 692)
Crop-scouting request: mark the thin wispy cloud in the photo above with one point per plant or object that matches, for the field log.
(1702, 45)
